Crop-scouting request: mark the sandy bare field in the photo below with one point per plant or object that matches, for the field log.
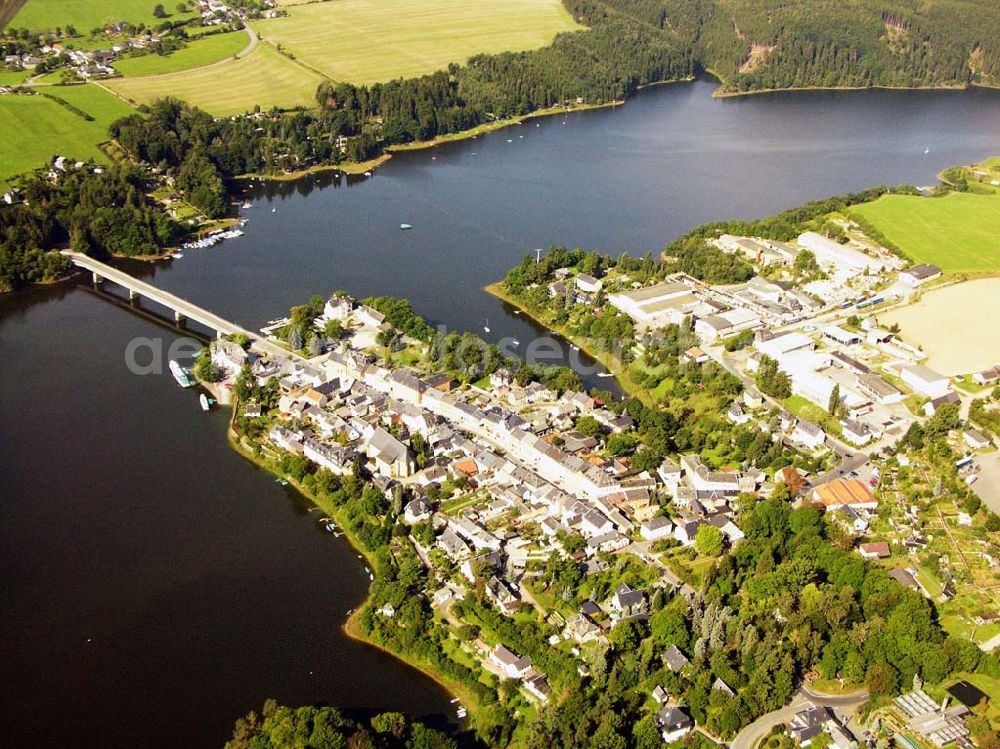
(958, 326)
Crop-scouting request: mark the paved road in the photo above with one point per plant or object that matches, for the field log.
(749, 736)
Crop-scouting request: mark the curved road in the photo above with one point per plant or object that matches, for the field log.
(803, 698)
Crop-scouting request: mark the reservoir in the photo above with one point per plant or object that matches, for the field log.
(156, 585)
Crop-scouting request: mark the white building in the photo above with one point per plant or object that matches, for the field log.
(655, 306)
(832, 254)
(919, 274)
(728, 323)
(776, 346)
(588, 284)
(925, 381)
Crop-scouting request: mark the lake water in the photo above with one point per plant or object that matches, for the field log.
(157, 586)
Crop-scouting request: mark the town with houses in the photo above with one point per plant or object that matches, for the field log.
(501, 477)
(94, 57)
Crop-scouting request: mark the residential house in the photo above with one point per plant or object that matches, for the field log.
(392, 457)
(931, 407)
(808, 434)
(875, 550)
(656, 528)
(674, 658)
(904, 577)
(673, 723)
(588, 284)
(537, 685)
(627, 603)
(808, 724)
(510, 664)
(416, 511)
(504, 597)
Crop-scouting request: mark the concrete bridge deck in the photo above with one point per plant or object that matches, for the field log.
(181, 308)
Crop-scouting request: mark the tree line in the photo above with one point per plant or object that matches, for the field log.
(99, 212)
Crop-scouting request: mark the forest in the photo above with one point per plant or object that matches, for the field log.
(96, 211)
(327, 728)
(765, 44)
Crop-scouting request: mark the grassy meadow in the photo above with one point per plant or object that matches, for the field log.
(213, 48)
(960, 232)
(45, 15)
(33, 129)
(361, 41)
(263, 77)
(13, 77)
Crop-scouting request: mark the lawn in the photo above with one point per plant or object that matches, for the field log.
(33, 129)
(363, 41)
(263, 77)
(204, 51)
(960, 232)
(44, 15)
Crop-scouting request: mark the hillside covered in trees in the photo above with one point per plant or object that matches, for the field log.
(762, 44)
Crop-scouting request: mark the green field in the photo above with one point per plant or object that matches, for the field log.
(363, 41)
(44, 15)
(960, 233)
(201, 52)
(12, 77)
(33, 129)
(263, 77)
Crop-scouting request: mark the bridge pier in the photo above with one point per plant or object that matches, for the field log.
(133, 296)
(179, 319)
(96, 278)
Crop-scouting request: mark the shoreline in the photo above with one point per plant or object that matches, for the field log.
(359, 167)
(610, 363)
(722, 93)
(351, 625)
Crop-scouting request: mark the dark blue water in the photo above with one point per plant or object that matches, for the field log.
(203, 586)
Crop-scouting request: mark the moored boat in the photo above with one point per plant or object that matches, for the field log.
(180, 374)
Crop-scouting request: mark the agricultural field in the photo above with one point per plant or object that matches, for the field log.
(361, 41)
(960, 232)
(263, 77)
(952, 326)
(33, 129)
(45, 15)
(211, 49)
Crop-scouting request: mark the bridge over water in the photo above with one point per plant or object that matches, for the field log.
(182, 309)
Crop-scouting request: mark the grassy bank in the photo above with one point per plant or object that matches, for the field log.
(608, 361)
(352, 626)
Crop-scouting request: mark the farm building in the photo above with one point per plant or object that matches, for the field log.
(919, 274)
